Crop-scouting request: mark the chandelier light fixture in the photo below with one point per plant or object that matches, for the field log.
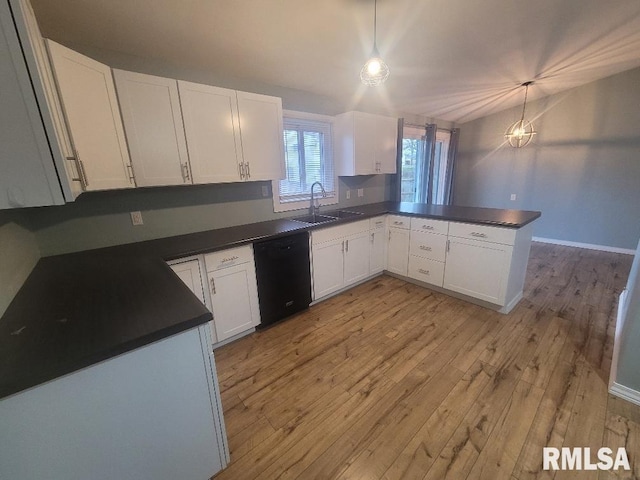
(375, 72)
(520, 133)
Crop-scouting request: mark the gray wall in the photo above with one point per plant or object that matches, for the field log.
(582, 169)
(18, 255)
(99, 219)
(628, 373)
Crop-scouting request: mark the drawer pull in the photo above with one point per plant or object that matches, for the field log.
(423, 271)
(478, 234)
(213, 286)
(230, 259)
(427, 227)
(396, 222)
(424, 247)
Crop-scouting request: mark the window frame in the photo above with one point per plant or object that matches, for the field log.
(304, 203)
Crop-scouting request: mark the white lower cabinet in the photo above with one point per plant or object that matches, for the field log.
(356, 258)
(340, 257)
(193, 274)
(328, 267)
(398, 251)
(478, 269)
(234, 291)
(378, 253)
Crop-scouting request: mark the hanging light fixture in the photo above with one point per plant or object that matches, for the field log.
(520, 133)
(375, 72)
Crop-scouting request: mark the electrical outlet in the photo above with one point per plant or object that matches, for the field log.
(348, 194)
(513, 197)
(265, 191)
(136, 218)
(361, 192)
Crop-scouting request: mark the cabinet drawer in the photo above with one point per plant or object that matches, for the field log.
(426, 270)
(484, 233)
(430, 225)
(227, 258)
(428, 245)
(377, 222)
(398, 221)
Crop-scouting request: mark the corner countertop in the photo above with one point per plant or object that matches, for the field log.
(78, 309)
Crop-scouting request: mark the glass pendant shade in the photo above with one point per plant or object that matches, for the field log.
(375, 72)
(520, 133)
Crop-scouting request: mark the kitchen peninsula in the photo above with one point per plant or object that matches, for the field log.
(104, 311)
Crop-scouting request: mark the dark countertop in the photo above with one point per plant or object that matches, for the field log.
(78, 309)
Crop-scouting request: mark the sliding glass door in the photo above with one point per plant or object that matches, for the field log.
(424, 166)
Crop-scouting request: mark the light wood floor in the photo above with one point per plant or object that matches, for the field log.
(393, 381)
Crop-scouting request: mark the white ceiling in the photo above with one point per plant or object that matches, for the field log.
(455, 60)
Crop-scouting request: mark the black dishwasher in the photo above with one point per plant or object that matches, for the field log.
(284, 276)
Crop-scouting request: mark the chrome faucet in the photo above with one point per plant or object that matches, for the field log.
(314, 208)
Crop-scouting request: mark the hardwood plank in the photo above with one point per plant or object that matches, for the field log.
(420, 453)
(497, 459)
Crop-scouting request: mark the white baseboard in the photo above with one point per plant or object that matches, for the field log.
(626, 393)
(590, 246)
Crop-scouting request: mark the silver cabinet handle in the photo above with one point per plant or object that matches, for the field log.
(424, 247)
(448, 245)
(230, 259)
(132, 175)
(423, 271)
(477, 234)
(427, 227)
(185, 172)
(241, 171)
(347, 245)
(248, 170)
(398, 223)
(213, 285)
(75, 160)
(83, 173)
(343, 246)
(373, 237)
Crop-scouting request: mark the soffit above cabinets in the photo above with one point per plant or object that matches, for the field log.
(456, 60)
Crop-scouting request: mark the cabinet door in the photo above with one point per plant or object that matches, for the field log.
(262, 136)
(37, 60)
(234, 298)
(387, 138)
(153, 124)
(328, 268)
(210, 117)
(189, 273)
(91, 109)
(377, 257)
(398, 251)
(478, 269)
(365, 142)
(357, 249)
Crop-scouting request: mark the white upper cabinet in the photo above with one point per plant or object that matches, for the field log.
(261, 131)
(210, 117)
(91, 109)
(365, 144)
(155, 132)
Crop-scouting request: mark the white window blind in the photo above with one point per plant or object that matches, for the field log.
(308, 159)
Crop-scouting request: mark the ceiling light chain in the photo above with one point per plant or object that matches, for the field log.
(520, 133)
(375, 71)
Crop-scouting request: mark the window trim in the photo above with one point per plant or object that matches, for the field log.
(275, 184)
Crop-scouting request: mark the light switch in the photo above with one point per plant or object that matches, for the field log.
(348, 194)
(361, 192)
(513, 196)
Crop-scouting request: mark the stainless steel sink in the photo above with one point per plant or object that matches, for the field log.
(342, 214)
(315, 219)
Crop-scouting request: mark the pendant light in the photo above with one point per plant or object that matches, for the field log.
(375, 72)
(520, 133)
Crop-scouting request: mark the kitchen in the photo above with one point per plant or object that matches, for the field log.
(102, 219)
